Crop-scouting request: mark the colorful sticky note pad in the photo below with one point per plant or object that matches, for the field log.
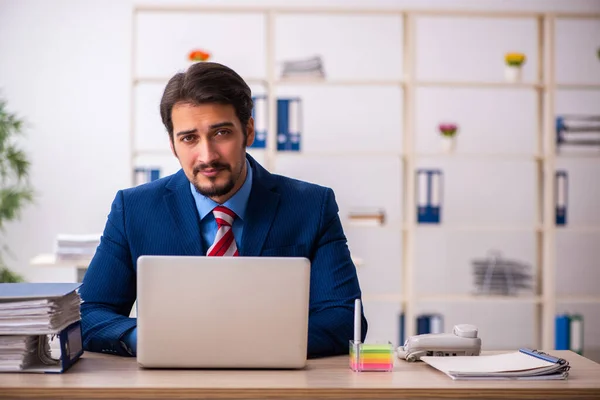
(371, 357)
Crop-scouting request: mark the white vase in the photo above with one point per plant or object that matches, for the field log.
(448, 143)
(513, 73)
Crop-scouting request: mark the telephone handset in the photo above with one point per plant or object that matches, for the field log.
(463, 341)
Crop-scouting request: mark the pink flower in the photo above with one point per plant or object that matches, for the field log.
(448, 129)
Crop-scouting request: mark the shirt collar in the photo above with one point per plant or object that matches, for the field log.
(237, 203)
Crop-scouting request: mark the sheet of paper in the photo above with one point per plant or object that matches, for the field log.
(516, 361)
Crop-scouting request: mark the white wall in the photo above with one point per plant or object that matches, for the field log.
(65, 66)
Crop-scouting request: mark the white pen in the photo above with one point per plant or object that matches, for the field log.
(357, 320)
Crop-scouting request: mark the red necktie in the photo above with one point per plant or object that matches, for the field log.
(224, 244)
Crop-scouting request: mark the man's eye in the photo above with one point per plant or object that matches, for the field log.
(222, 132)
(187, 138)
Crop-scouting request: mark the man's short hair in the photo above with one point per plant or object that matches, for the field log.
(207, 82)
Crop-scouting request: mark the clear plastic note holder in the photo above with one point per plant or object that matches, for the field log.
(376, 357)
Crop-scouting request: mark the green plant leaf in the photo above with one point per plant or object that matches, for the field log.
(7, 276)
(15, 191)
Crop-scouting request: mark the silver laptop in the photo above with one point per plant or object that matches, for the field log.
(222, 312)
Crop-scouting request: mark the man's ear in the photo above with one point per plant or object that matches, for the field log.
(250, 132)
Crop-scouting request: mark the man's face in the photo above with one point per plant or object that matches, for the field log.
(209, 142)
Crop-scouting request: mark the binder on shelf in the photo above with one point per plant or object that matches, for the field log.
(289, 124)
(562, 329)
(561, 197)
(576, 333)
(429, 194)
(261, 121)
(436, 323)
(578, 130)
(430, 323)
(145, 174)
(401, 330)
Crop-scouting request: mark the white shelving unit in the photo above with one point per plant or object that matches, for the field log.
(544, 157)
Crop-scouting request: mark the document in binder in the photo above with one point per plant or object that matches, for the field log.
(525, 364)
(40, 327)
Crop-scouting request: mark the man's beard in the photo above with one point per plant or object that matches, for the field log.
(213, 190)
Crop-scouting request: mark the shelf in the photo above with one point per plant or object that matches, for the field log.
(474, 84)
(334, 153)
(384, 11)
(49, 260)
(164, 79)
(578, 229)
(578, 86)
(578, 299)
(292, 81)
(503, 156)
(389, 298)
(407, 83)
(464, 298)
(573, 156)
(478, 228)
(339, 82)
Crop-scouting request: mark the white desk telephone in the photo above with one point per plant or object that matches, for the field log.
(463, 341)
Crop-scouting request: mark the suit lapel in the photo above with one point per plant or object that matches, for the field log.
(260, 212)
(180, 204)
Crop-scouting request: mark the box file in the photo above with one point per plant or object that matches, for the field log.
(261, 121)
(145, 175)
(289, 129)
(561, 197)
(429, 196)
(562, 329)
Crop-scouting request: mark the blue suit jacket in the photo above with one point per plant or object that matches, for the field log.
(284, 218)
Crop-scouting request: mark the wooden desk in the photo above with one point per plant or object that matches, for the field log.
(98, 376)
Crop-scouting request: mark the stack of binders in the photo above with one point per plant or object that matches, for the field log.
(33, 314)
(569, 333)
(312, 67)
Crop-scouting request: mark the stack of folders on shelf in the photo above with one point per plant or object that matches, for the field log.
(426, 323)
(578, 130)
(311, 67)
(524, 364)
(498, 276)
(32, 315)
(76, 247)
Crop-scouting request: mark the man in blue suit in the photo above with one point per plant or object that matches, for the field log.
(207, 113)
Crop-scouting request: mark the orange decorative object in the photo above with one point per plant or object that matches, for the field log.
(198, 55)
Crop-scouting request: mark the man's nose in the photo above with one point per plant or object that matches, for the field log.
(206, 152)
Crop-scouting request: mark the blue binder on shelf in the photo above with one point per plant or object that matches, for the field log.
(561, 197)
(429, 195)
(145, 175)
(430, 323)
(261, 121)
(562, 340)
(289, 118)
(423, 325)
